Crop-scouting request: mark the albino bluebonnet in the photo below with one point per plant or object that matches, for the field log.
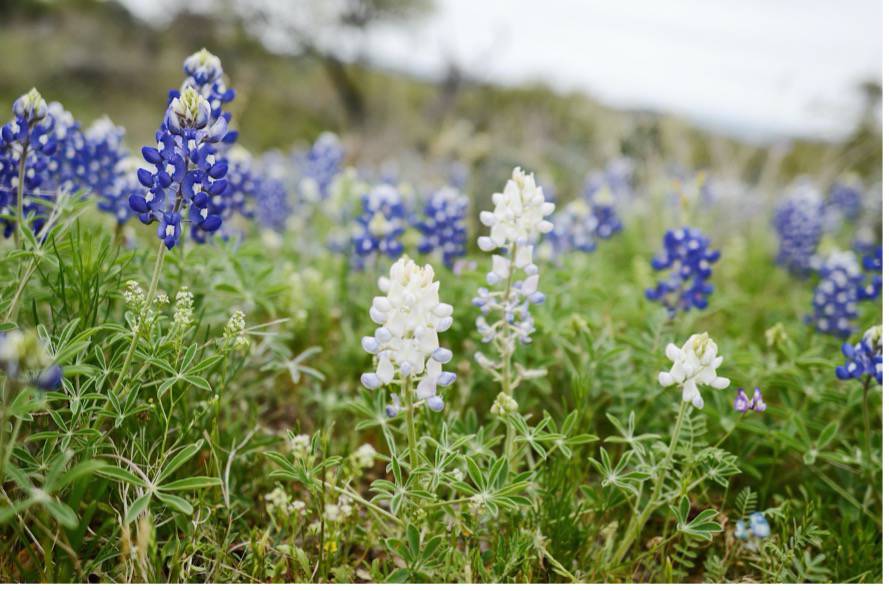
(758, 528)
(695, 363)
(517, 221)
(743, 404)
(29, 138)
(689, 261)
(406, 345)
(188, 173)
(799, 222)
(319, 166)
(380, 225)
(835, 299)
(872, 273)
(865, 358)
(443, 226)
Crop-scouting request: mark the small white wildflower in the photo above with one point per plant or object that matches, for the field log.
(278, 499)
(504, 405)
(332, 512)
(695, 363)
(183, 315)
(236, 330)
(364, 456)
(300, 445)
(134, 296)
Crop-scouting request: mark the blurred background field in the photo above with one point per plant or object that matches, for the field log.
(116, 58)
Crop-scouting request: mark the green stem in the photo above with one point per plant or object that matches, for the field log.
(155, 277)
(20, 207)
(638, 523)
(16, 299)
(506, 351)
(411, 431)
(865, 412)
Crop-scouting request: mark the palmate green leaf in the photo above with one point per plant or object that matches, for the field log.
(191, 483)
(175, 503)
(61, 512)
(121, 475)
(180, 458)
(703, 526)
(138, 506)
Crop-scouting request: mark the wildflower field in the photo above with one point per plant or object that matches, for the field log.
(219, 366)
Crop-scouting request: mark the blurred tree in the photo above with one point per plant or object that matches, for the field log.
(329, 31)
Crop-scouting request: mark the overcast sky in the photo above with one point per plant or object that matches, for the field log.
(760, 69)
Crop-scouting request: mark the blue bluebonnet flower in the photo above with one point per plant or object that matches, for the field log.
(115, 198)
(110, 171)
(844, 201)
(379, 228)
(69, 162)
(24, 357)
(616, 177)
(758, 528)
(444, 225)
(583, 222)
(689, 260)
(28, 137)
(319, 166)
(835, 300)
(872, 280)
(865, 358)
(743, 404)
(799, 221)
(188, 171)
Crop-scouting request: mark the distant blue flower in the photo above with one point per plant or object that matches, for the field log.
(743, 404)
(758, 528)
(688, 260)
(272, 204)
(835, 300)
(799, 221)
(844, 201)
(444, 225)
(379, 228)
(319, 167)
(872, 281)
(189, 172)
(580, 224)
(865, 358)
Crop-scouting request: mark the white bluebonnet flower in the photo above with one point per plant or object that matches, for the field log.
(379, 228)
(189, 170)
(516, 223)
(319, 166)
(835, 299)
(743, 404)
(695, 363)
(865, 358)
(444, 225)
(406, 345)
(518, 216)
(689, 261)
(799, 221)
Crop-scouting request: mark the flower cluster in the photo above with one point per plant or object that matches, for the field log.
(865, 358)
(844, 201)
(695, 363)
(689, 260)
(444, 225)
(379, 228)
(799, 221)
(235, 331)
(24, 357)
(27, 146)
(516, 223)
(835, 300)
(743, 404)
(188, 171)
(406, 343)
(319, 166)
(582, 222)
(758, 528)
(872, 277)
